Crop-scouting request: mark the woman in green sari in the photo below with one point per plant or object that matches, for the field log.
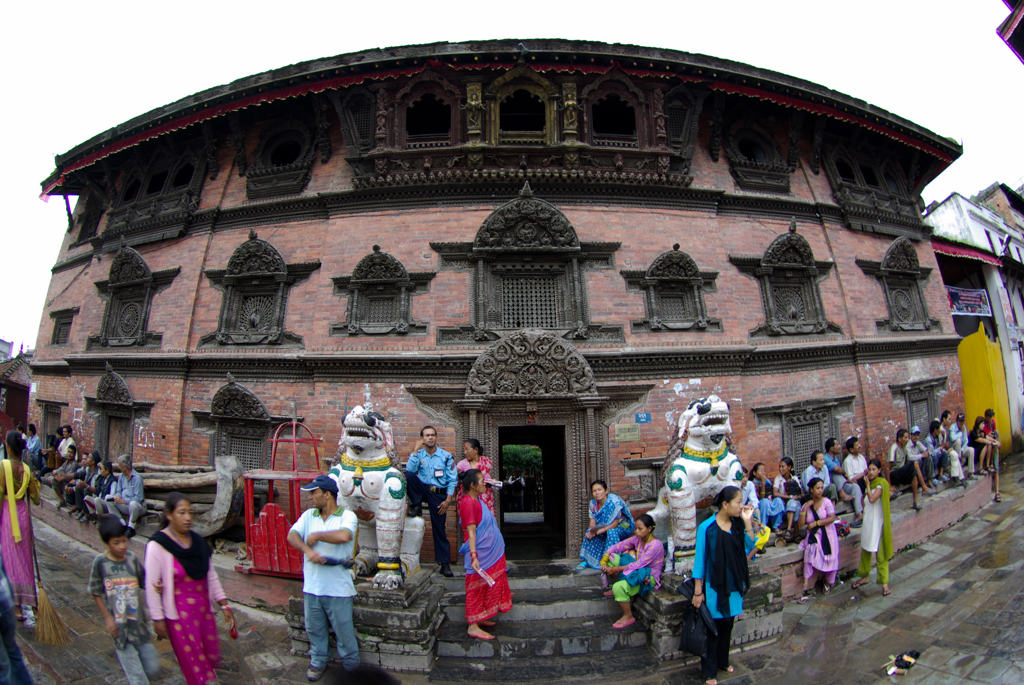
(876, 535)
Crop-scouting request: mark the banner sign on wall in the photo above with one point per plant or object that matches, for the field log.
(969, 302)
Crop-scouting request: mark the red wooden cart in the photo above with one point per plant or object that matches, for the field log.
(266, 535)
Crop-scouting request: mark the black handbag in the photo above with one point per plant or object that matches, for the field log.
(696, 624)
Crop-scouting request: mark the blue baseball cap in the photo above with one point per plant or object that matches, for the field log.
(915, 430)
(325, 483)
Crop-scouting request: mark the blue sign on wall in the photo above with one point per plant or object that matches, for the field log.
(643, 418)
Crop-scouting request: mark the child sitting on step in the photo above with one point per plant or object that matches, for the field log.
(638, 572)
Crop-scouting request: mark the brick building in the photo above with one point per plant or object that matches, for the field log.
(382, 227)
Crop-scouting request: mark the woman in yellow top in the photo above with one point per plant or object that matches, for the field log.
(17, 482)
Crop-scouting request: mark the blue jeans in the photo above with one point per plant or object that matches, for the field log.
(12, 665)
(338, 610)
(140, 662)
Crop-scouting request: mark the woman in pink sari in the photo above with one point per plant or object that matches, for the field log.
(181, 588)
(821, 546)
(16, 485)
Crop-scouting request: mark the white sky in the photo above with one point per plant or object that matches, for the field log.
(76, 69)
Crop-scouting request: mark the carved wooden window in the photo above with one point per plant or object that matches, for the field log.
(428, 123)
(921, 399)
(89, 220)
(116, 413)
(129, 291)
(804, 426)
(755, 161)
(51, 421)
(380, 292)
(788, 277)
(521, 108)
(283, 161)
(256, 284)
(522, 118)
(161, 194)
(870, 187)
(901, 276)
(62, 320)
(240, 426)
(357, 113)
(682, 113)
(613, 122)
(674, 290)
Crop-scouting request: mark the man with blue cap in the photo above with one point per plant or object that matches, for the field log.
(326, 536)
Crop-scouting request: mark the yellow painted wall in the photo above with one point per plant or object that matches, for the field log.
(984, 380)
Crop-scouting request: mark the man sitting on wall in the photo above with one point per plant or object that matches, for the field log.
(126, 499)
(959, 437)
(855, 465)
(847, 491)
(68, 441)
(905, 463)
(59, 478)
(956, 471)
(940, 457)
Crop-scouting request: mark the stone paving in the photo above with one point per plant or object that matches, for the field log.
(958, 598)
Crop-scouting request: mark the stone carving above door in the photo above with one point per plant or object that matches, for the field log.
(531, 363)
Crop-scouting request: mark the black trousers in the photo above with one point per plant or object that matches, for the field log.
(717, 657)
(418, 493)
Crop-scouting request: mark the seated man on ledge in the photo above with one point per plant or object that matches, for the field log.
(126, 500)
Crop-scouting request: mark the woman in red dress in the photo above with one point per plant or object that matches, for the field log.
(483, 552)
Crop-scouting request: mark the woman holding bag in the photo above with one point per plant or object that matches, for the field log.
(720, 574)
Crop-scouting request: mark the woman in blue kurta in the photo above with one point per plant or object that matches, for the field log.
(610, 522)
(720, 573)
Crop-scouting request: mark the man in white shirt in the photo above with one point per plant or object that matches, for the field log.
(855, 465)
(326, 535)
(958, 436)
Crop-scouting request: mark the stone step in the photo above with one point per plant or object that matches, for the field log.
(551, 638)
(532, 577)
(636, 662)
(542, 605)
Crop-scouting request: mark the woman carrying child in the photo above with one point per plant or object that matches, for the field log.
(640, 569)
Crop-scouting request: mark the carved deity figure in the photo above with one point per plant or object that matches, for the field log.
(370, 485)
(474, 107)
(701, 470)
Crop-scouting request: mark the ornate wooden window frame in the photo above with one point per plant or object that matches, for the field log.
(684, 146)
(901, 277)
(129, 291)
(773, 174)
(432, 83)
(380, 275)
(615, 83)
(148, 217)
(825, 414)
(265, 179)
(872, 209)
(60, 335)
(359, 140)
(789, 263)
(527, 238)
(521, 77)
(927, 390)
(113, 399)
(673, 274)
(255, 270)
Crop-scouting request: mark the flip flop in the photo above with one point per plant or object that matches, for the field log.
(859, 583)
(481, 637)
(619, 625)
(998, 499)
(608, 594)
(886, 593)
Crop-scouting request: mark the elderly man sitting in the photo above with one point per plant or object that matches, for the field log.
(125, 499)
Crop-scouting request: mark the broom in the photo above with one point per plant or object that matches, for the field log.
(50, 629)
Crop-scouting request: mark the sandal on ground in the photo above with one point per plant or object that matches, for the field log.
(806, 597)
(917, 507)
(619, 625)
(485, 636)
(582, 566)
(711, 681)
(827, 588)
(609, 594)
(998, 499)
(730, 669)
(860, 582)
(886, 593)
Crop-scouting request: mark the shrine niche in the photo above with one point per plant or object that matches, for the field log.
(255, 285)
(129, 291)
(674, 288)
(117, 414)
(902, 279)
(614, 112)
(528, 266)
(522, 108)
(530, 363)
(789, 277)
(755, 160)
(380, 292)
(428, 112)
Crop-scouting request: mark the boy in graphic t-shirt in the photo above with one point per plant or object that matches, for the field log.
(117, 583)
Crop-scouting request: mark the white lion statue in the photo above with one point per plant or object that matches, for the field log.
(704, 466)
(370, 485)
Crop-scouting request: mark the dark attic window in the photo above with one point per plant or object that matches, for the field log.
(133, 191)
(285, 153)
(890, 182)
(184, 176)
(752, 150)
(428, 117)
(522, 112)
(845, 171)
(870, 177)
(156, 183)
(676, 121)
(614, 117)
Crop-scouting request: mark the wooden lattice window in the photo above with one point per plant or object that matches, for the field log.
(921, 399)
(62, 320)
(129, 291)
(529, 303)
(51, 421)
(901, 276)
(251, 452)
(805, 438)
(380, 292)
(805, 426)
(674, 290)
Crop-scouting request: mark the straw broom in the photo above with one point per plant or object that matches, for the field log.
(50, 629)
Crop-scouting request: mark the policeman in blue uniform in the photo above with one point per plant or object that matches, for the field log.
(431, 475)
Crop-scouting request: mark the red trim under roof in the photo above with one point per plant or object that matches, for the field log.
(965, 252)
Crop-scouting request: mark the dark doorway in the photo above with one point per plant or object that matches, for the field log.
(533, 522)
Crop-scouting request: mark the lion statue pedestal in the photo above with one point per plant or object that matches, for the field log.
(704, 466)
(370, 484)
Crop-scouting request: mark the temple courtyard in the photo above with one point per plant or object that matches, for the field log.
(957, 598)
